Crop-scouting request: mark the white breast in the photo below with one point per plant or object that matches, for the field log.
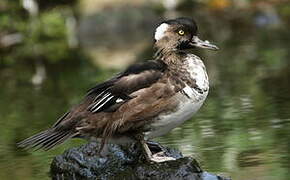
(188, 105)
(197, 71)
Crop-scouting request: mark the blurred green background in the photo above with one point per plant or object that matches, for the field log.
(52, 52)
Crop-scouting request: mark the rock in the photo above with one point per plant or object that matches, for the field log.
(124, 163)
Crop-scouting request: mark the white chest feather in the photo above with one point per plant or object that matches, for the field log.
(165, 123)
(197, 71)
(188, 105)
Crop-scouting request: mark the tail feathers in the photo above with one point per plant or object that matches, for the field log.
(46, 140)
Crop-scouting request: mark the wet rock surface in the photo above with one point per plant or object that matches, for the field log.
(124, 163)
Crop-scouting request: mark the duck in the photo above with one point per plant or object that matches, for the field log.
(145, 101)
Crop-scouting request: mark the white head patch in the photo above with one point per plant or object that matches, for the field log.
(160, 30)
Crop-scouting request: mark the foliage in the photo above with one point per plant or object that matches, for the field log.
(43, 36)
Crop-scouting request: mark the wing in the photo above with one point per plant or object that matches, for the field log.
(104, 97)
(111, 94)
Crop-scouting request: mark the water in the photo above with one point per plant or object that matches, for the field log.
(242, 131)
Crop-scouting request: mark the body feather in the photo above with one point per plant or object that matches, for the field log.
(105, 97)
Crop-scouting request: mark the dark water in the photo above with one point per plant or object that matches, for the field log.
(242, 131)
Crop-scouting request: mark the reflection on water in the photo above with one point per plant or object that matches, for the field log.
(242, 131)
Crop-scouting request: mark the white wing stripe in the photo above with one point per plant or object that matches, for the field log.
(99, 95)
(95, 110)
(100, 101)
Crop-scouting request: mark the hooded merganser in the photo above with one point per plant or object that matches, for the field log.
(145, 101)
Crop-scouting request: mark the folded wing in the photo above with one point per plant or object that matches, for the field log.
(106, 97)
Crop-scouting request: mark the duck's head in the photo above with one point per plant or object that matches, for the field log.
(179, 34)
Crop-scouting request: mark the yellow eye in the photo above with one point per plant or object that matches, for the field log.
(181, 32)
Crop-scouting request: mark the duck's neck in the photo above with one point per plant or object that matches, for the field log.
(171, 57)
(184, 68)
(174, 59)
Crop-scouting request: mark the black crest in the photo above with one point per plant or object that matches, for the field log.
(187, 23)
